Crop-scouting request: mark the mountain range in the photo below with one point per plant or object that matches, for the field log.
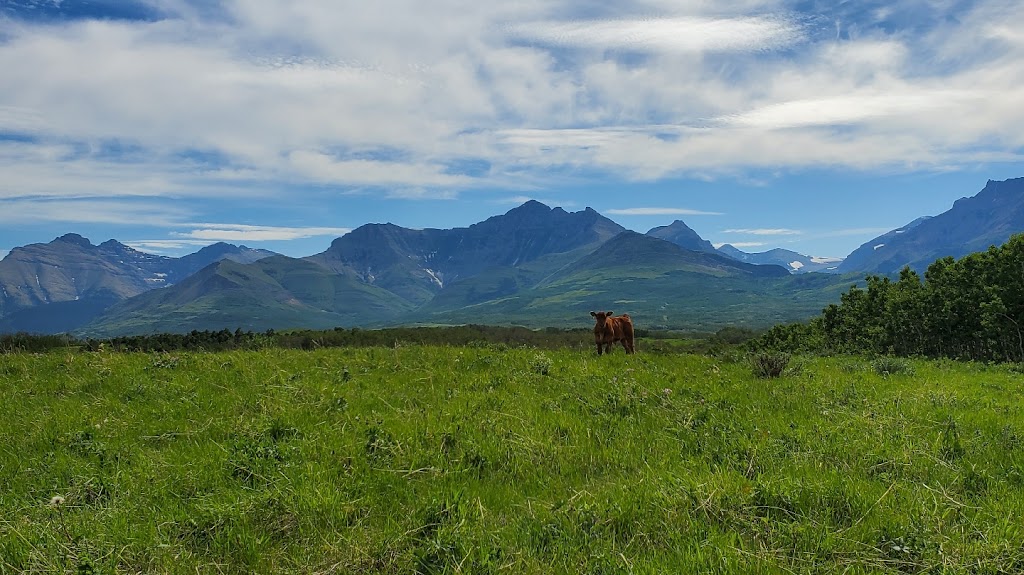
(534, 265)
(57, 286)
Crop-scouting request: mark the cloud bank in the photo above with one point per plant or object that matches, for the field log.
(430, 101)
(764, 232)
(659, 212)
(238, 232)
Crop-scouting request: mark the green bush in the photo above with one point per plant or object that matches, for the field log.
(769, 364)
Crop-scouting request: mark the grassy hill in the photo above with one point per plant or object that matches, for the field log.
(661, 285)
(487, 459)
(669, 300)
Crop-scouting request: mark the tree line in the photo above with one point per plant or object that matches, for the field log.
(225, 339)
(969, 309)
(654, 341)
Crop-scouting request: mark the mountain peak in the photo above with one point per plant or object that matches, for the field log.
(677, 226)
(530, 207)
(218, 248)
(113, 245)
(74, 239)
(683, 236)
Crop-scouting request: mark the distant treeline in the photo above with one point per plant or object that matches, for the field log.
(24, 342)
(466, 335)
(971, 309)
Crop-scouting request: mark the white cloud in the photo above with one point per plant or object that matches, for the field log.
(322, 168)
(764, 232)
(739, 244)
(853, 232)
(164, 245)
(659, 212)
(93, 211)
(519, 200)
(688, 34)
(826, 260)
(250, 233)
(854, 109)
(391, 95)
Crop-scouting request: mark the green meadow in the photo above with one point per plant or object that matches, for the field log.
(498, 459)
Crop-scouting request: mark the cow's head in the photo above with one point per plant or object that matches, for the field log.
(601, 317)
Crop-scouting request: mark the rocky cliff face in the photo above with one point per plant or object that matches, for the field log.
(71, 268)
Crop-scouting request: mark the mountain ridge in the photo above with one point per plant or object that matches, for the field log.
(417, 264)
(793, 261)
(972, 224)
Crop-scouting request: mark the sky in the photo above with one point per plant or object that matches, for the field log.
(282, 124)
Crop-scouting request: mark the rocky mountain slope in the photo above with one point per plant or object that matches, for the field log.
(972, 224)
(57, 285)
(418, 264)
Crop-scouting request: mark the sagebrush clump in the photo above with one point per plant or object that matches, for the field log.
(769, 364)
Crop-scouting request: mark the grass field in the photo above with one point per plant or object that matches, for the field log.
(506, 460)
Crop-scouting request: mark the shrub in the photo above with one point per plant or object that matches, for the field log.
(892, 366)
(541, 364)
(769, 364)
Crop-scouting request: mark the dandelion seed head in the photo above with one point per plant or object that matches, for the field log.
(56, 500)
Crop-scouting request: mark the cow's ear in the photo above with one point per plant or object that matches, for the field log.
(593, 313)
(608, 313)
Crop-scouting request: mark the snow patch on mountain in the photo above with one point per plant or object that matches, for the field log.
(433, 276)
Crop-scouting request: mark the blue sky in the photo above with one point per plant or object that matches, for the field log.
(809, 125)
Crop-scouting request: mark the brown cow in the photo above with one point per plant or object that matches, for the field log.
(609, 330)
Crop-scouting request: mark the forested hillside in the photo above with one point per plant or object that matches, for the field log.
(971, 308)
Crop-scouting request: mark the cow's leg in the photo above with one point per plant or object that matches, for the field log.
(598, 348)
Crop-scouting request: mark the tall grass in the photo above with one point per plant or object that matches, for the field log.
(483, 459)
